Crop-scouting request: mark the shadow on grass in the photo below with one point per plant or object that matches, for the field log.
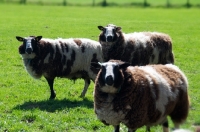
(54, 105)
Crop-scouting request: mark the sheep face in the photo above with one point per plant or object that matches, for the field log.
(110, 76)
(109, 33)
(29, 44)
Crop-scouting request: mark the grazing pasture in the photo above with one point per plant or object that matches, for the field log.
(24, 104)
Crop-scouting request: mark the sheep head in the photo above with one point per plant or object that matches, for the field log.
(29, 44)
(110, 33)
(110, 76)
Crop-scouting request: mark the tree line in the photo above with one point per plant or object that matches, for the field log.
(105, 3)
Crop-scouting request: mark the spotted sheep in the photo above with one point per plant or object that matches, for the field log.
(138, 48)
(140, 95)
(66, 58)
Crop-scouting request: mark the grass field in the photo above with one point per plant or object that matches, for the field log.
(24, 104)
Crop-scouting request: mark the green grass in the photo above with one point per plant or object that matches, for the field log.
(24, 104)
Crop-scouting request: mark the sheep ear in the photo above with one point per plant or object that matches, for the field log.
(20, 38)
(118, 29)
(38, 38)
(101, 28)
(96, 65)
(124, 65)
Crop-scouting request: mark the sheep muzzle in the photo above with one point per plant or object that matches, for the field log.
(29, 50)
(109, 39)
(109, 80)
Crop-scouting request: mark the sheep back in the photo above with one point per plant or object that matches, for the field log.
(142, 48)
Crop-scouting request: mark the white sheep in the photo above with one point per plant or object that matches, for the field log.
(68, 58)
(140, 95)
(138, 48)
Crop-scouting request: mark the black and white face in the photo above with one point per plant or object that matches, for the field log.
(110, 76)
(109, 72)
(110, 33)
(28, 44)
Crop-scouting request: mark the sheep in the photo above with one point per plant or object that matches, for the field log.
(138, 48)
(140, 95)
(66, 58)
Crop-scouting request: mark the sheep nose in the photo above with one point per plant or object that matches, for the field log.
(109, 38)
(29, 50)
(109, 80)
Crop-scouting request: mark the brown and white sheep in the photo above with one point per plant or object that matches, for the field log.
(138, 48)
(140, 95)
(67, 58)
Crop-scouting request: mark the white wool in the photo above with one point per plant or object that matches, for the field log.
(139, 38)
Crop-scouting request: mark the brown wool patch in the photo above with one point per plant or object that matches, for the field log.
(164, 43)
(60, 42)
(141, 76)
(70, 63)
(147, 33)
(78, 42)
(146, 53)
(128, 50)
(132, 42)
(94, 59)
(141, 95)
(42, 42)
(170, 75)
(180, 111)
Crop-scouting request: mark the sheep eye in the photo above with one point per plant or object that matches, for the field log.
(115, 69)
(103, 68)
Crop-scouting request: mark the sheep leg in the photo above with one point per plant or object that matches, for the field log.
(116, 128)
(176, 125)
(131, 130)
(165, 126)
(148, 129)
(50, 82)
(87, 83)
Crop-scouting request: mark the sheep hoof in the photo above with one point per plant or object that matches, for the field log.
(82, 96)
(52, 97)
